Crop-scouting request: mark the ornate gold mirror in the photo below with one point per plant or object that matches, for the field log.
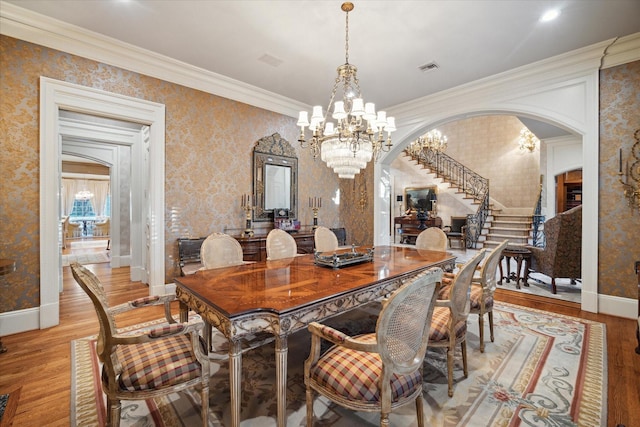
(275, 178)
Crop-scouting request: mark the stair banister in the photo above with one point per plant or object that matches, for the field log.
(471, 183)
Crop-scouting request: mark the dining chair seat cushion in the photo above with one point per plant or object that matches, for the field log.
(476, 296)
(157, 364)
(439, 325)
(353, 374)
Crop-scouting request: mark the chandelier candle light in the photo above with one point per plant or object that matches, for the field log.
(349, 144)
(248, 207)
(315, 203)
(433, 140)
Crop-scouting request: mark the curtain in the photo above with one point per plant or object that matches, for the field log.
(99, 188)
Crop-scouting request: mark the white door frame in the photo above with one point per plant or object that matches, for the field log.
(57, 95)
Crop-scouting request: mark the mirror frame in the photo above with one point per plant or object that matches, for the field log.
(273, 150)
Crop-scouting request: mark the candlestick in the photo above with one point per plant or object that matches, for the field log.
(620, 167)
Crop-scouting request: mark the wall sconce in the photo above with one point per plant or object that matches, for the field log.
(528, 141)
(631, 177)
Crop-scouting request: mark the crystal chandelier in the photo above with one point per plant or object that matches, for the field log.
(433, 140)
(358, 134)
(84, 195)
(528, 141)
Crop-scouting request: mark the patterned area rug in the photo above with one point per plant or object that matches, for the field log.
(88, 258)
(543, 369)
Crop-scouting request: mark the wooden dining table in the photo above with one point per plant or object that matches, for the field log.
(283, 296)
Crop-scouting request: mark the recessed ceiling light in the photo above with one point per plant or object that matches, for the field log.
(550, 15)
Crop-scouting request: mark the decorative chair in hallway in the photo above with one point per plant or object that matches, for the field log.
(449, 323)
(70, 230)
(457, 231)
(483, 285)
(432, 239)
(562, 255)
(381, 371)
(280, 244)
(155, 362)
(103, 229)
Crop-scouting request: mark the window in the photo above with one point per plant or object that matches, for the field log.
(82, 208)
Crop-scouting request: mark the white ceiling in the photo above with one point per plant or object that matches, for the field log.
(292, 47)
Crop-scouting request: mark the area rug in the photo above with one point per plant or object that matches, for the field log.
(543, 369)
(88, 258)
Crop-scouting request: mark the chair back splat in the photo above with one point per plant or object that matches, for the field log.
(384, 367)
(432, 239)
(220, 250)
(174, 350)
(280, 245)
(325, 240)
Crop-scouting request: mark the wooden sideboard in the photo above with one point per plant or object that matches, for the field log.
(408, 227)
(255, 248)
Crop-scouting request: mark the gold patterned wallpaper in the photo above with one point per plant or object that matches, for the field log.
(619, 225)
(209, 143)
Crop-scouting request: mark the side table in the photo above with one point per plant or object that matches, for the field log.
(6, 266)
(519, 255)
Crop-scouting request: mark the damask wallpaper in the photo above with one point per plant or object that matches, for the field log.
(619, 224)
(209, 143)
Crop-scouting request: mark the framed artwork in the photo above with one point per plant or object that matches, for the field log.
(417, 199)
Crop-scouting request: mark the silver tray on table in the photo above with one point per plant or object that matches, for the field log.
(343, 259)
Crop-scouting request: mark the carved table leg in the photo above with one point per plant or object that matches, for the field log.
(235, 379)
(281, 379)
(518, 273)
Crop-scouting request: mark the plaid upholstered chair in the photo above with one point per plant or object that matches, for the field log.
(449, 323)
(220, 250)
(381, 371)
(432, 239)
(155, 362)
(280, 244)
(483, 285)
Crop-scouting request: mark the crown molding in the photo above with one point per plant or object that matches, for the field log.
(622, 51)
(35, 28)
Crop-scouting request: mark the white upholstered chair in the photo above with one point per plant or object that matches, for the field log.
(325, 240)
(220, 250)
(381, 371)
(432, 239)
(280, 244)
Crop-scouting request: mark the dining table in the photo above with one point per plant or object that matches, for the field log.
(283, 296)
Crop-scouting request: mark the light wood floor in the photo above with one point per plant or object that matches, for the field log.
(40, 361)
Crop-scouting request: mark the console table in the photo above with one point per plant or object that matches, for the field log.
(255, 248)
(410, 226)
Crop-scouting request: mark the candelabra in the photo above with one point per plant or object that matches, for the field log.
(315, 203)
(248, 208)
(631, 190)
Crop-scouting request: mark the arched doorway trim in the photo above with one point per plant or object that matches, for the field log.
(571, 104)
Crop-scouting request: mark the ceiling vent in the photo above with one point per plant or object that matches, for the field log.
(429, 66)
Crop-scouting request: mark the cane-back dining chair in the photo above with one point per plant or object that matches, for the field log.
(155, 362)
(380, 371)
(483, 286)
(449, 323)
(325, 240)
(432, 239)
(280, 244)
(220, 250)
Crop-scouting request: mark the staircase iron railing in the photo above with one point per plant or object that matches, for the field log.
(458, 175)
(537, 237)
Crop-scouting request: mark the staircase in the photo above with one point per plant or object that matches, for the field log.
(515, 228)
